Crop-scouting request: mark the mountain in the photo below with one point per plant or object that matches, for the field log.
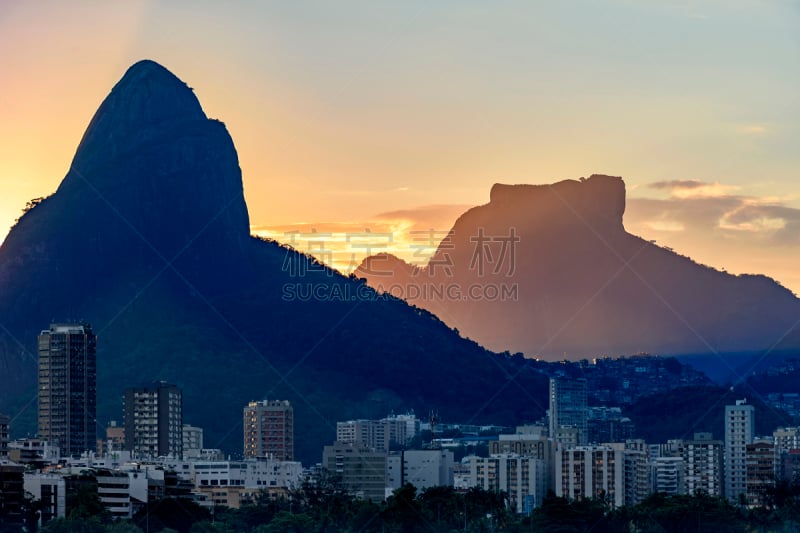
(549, 270)
(147, 238)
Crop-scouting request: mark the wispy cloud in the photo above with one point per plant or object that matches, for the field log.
(694, 188)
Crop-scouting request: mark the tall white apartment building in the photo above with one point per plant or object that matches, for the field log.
(739, 432)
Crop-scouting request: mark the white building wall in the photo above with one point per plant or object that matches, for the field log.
(739, 432)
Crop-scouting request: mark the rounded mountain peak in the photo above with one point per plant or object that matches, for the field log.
(147, 98)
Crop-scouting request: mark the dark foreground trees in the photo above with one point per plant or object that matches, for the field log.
(330, 509)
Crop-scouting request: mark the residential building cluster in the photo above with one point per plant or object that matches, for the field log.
(561, 455)
(153, 454)
(577, 451)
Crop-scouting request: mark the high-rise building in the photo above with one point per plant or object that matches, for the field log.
(568, 407)
(269, 430)
(739, 432)
(68, 387)
(154, 420)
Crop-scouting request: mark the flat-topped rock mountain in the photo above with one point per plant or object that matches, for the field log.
(577, 284)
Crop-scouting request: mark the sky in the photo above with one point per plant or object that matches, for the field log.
(354, 118)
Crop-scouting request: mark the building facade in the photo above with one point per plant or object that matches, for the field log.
(668, 475)
(12, 494)
(703, 459)
(378, 434)
(192, 441)
(154, 420)
(68, 387)
(360, 470)
(760, 471)
(739, 432)
(421, 468)
(568, 407)
(51, 493)
(590, 472)
(4, 421)
(522, 479)
(269, 430)
(786, 439)
(637, 471)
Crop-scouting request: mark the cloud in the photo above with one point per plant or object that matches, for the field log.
(675, 184)
(694, 188)
(744, 218)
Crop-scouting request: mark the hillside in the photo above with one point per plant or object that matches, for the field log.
(147, 239)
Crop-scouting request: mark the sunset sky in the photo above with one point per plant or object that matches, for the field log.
(394, 117)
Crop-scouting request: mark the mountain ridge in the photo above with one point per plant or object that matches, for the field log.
(585, 285)
(147, 239)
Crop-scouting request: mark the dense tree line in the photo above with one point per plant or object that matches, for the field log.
(328, 508)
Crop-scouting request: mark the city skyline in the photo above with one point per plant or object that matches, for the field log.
(400, 118)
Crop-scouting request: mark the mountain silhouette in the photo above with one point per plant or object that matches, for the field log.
(147, 238)
(577, 284)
